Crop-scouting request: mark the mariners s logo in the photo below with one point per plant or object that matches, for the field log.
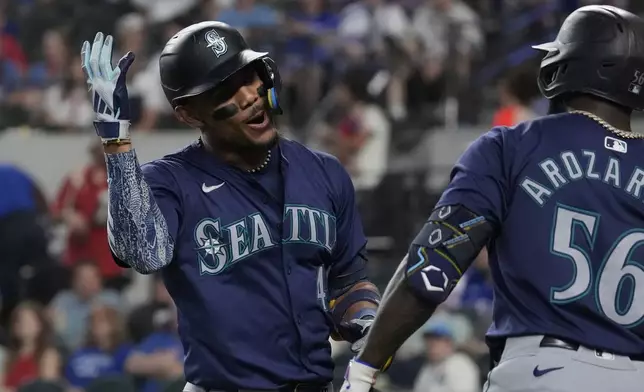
(216, 42)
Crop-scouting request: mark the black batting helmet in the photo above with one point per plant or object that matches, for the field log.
(203, 55)
(599, 51)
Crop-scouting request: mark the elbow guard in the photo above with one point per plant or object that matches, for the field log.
(444, 249)
(352, 327)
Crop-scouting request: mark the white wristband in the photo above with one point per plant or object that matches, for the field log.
(360, 372)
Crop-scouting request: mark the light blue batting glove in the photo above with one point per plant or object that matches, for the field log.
(108, 89)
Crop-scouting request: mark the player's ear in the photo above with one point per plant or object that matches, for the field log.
(187, 116)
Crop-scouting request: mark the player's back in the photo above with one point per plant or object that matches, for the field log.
(567, 259)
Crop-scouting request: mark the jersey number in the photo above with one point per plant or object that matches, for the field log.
(616, 268)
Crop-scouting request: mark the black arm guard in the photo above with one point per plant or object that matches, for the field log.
(444, 249)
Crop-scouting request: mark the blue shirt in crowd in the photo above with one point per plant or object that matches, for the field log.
(87, 364)
(17, 190)
(159, 341)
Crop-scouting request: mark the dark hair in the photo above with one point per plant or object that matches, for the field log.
(113, 316)
(356, 80)
(44, 340)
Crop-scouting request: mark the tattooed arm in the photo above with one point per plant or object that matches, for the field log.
(140, 235)
(142, 213)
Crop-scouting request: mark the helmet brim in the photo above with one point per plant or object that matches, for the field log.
(547, 47)
(222, 72)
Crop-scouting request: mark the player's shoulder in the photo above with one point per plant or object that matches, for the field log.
(319, 166)
(546, 124)
(309, 156)
(527, 133)
(168, 166)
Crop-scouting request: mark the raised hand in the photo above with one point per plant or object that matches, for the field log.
(108, 89)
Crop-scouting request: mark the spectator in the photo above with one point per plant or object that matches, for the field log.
(11, 102)
(378, 31)
(81, 205)
(65, 104)
(142, 319)
(146, 84)
(70, 309)
(441, 24)
(35, 18)
(158, 12)
(446, 370)
(43, 74)
(131, 35)
(474, 290)
(12, 50)
(361, 142)
(104, 352)
(247, 16)
(450, 38)
(210, 9)
(366, 25)
(159, 358)
(23, 238)
(31, 354)
(473, 297)
(516, 95)
(55, 65)
(308, 55)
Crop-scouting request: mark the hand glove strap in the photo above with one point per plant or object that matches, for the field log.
(361, 372)
(112, 131)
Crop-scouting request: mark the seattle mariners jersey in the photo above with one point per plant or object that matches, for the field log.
(252, 256)
(567, 198)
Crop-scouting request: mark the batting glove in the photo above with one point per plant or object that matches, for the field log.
(107, 86)
(359, 377)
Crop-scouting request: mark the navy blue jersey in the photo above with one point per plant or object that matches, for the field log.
(566, 197)
(252, 256)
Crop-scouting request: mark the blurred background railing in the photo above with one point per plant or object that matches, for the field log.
(395, 89)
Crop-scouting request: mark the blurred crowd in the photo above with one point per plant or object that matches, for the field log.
(362, 79)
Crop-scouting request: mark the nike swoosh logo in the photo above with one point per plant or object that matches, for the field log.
(540, 372)
(208, 189)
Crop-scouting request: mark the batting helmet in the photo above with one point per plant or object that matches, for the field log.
(203, 55)
(599, 51)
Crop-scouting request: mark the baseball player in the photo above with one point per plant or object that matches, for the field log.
(558, 203)
(257, 237)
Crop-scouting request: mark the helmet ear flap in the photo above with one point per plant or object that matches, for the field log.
(268, 73)
(271, 83)
(549, 77)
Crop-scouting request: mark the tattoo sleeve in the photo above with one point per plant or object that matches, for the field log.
(400, 314)
(137, 230)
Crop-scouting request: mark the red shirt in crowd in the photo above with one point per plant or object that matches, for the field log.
(85, 193)
(22, 371)
(11, 50)
(510, 115)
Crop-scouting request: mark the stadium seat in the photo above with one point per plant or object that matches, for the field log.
(111, 384)
(42, 386)
(175, 386)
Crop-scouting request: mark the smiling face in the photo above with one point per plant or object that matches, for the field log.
(233, 115)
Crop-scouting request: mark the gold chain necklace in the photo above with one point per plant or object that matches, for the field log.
(263, 165)
(608, 127)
